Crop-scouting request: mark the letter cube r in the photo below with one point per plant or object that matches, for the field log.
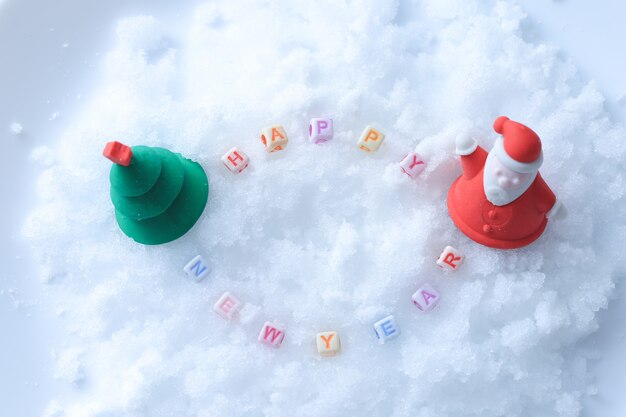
(386, 329)
(450, 259)
(274, 138)
(197, 269)
(235, 160)
(272, 334)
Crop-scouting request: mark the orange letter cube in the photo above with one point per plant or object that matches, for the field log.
(235, 160)
(370, 139)
(450, 258)
(274, 138)
(328, 343)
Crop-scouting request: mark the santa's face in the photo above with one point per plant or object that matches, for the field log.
(506, 178)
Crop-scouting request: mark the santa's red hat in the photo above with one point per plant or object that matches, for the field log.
(519, 148)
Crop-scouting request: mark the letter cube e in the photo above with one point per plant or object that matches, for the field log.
(197, 269)
(227, 306)
(412, 164)
(450, 259)
(386, 329)
(320, 130)
(370, 139)
(328, 343)
(274, 138)
(272, 334)
(235, 160)
(425, 298)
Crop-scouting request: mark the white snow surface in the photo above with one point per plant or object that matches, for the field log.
(328, 237)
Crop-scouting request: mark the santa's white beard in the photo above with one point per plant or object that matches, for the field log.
(497, 195)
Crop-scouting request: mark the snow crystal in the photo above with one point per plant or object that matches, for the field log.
(16, 128)
(329, 237)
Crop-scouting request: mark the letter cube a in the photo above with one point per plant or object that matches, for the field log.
(274, 138)
(450, 259)
(272, 334)
(328, 343)
(425, 298)
(370, 139)
(386, 329)
(197, 269)
(320, 130)
(227, 306)
(412, 164)
(235, 160)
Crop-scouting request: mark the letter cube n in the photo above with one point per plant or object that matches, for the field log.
(328, 343)
(272, 334)
(450, 259)
(386, 329)
(425, 298)
(197, 269)
(235, 160)
(370, 139)
(274, 138)
(320, 130)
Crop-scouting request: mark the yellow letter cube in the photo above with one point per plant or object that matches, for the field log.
(328, 343)
(370, 139)
(274, 138)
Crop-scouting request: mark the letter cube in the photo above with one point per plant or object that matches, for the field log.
(386, 329)
(197, 269)
(320, 130)
(450, 258)
(328, 343)
(235, 160)
(274, 138)
(272, 334)
(227, 306)
(118, 153)
(412, 164)
(425, 298)
(370, 139)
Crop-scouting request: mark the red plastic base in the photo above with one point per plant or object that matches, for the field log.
(118, 153)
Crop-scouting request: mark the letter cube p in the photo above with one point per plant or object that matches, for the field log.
(370, 139)
(320, 130)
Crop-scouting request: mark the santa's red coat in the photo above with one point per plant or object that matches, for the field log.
(514, 225)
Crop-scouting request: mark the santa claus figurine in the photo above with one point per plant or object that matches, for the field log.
(501, 201)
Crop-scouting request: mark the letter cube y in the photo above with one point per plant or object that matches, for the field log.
(425, 298)
(328, 343)
(370, 139)
(274, 138)
(412, 164)
(450, 259)
(272, 334)
(386, 329)
(235, 160)
(320, 130)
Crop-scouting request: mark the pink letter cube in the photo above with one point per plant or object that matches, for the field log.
(412, 164)
(235, 160)
(320, 130)
(450, 258)
(426, 298)
(227, 306)
(272, 334)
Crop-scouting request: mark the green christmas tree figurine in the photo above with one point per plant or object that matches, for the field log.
(158, 195)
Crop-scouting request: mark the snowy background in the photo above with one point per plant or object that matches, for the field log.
(319, 238)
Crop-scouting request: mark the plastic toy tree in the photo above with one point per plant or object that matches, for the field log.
(158, 195)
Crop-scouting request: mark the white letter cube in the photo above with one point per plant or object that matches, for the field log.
(412, 164)
(235, 160)
(328, 343)
(272, 334)
(320, 130)
(425, 298)
(197, 269)
(227, 306)
(386, 329)
(274, 138)
(370, 139)
(450, 258)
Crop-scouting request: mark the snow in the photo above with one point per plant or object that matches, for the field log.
(329, 237)
(16, 128)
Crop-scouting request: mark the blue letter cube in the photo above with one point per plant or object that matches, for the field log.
(386, 329)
